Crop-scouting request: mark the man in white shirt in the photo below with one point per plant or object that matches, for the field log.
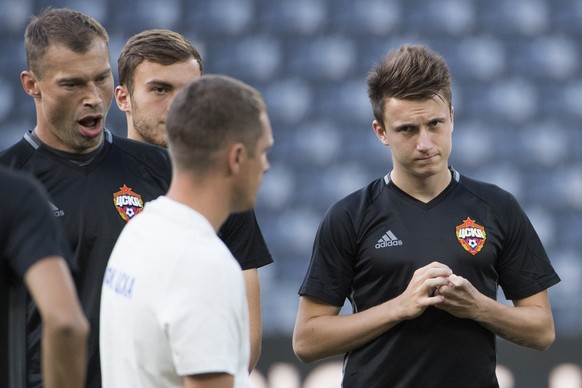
(173, 308)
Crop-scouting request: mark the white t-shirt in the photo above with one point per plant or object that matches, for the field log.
(173, 302)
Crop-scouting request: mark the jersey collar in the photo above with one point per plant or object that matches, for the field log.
(454, 173)
(78, 159)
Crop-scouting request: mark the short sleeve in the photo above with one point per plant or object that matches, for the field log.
(331, 269)
(242, 235)
(30, 231)
(524, 266)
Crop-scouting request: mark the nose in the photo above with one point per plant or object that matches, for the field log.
(93, 95)
(424, 142)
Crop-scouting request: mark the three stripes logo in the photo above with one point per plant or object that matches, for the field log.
(388, 240)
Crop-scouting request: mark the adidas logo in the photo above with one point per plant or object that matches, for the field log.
(388, 240)
(56, 211)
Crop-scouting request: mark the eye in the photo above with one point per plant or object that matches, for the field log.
(160, 89)
(103, 78)
(70, 84)
(434, 123)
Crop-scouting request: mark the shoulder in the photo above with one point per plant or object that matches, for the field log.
(28, 231)
(346, 216)
(139, 149)
(17, 154)
(15, 184)
(356, 203)
(213, 263)
(487, 192)
(149, 160)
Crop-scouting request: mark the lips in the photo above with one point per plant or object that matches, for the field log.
(427, 157)
(91, 125)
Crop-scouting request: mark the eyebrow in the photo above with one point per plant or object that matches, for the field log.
(156, 82)
(438, 118)
(82, 79)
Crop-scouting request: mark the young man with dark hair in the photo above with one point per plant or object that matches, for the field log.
(153, 66)
(421, 252)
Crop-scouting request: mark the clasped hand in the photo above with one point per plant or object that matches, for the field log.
(436, 285)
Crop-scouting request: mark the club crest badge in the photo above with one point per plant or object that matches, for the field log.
(471, 236)
(127, 203)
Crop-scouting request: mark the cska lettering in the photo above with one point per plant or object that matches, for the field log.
(470, 232)
(125, 200)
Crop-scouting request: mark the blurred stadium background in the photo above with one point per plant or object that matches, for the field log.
(517, 71)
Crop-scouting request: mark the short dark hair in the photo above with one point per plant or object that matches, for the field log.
(63, 26)
(207, 115)
(412, 72)
(161, 46)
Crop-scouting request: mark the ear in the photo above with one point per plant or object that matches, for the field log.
(30, 83)
(452, 118)
(122, 99)
(237, 155)
(380, 132)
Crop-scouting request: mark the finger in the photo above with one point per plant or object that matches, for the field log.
(440, 272)
(446, 289)
(456, 280)
(435, 299)
(436, 282)
(436, 264)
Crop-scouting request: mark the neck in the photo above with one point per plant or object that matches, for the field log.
(205, 195)
(133, 134)
(422, 188)
(56, 143)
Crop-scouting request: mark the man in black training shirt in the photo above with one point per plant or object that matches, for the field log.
(97, 181)
(32, 258)
(420, 253)
(153, 66)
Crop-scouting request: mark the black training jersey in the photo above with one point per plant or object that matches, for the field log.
(243, 237)
(28, 234)
(96, 196)
(371, 242)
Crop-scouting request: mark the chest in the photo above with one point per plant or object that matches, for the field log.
(397, 237)
(93, 200)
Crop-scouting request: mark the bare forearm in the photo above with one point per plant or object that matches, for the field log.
(528, 323)
(65, 328)
(64, 355)
(253, 291)
(320, 332)
(256, 342)
(329, 335)
(530, 326)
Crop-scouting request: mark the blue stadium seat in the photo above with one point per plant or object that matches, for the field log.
(296, 18)
(367, 18)
(133, 17)
(455, 17)
(219, 17)
(518, 17)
